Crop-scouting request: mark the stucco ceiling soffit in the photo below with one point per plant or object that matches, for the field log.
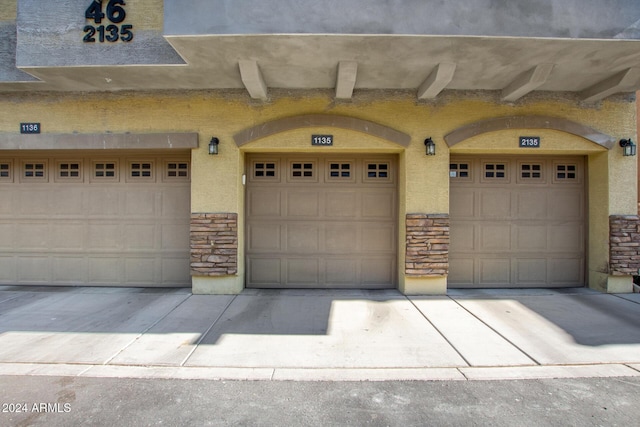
(624, 81)
(346, 80)
(435, 83)
(527, 82)
(8, 70)
(252, 79)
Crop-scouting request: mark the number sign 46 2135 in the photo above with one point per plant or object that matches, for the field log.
(116, 14)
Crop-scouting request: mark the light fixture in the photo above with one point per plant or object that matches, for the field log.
(431, 147)
(213, 145)
(628, 147)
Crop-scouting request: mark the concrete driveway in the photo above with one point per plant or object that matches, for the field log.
(318, 335)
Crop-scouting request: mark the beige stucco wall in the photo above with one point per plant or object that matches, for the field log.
(424, 183)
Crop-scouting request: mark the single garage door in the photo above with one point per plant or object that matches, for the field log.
(94, 219)
(517, 222)
(321, 222)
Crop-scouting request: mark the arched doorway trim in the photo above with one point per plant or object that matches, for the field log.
(529, 122)
(321, 120)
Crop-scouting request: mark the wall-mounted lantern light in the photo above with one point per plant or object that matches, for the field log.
(628, 147)
(213, 145)
(431, 147)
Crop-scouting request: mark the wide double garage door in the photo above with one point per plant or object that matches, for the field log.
(517, 222)
(95, 219)
(321, 221)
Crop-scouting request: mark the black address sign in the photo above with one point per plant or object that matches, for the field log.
(30, 128)
(115, 14)
(321, 139)
(529, 142)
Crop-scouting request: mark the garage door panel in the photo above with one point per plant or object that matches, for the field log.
(105, 269)
(303, 272)
(32, 235)
(531, 271)
(264, 202)
(266, 271)
(462, 236)
(104, 201)
(341, 272)
(174, 270)
(462, 271)
(6, 236)
(495, 271)
(378, 205)
(303, 204)
(140, 202)
(68, 236)
(139, 237)
(8, 269)
(265, 237)
(566, 204)
(341, 204)
(377, 271)
(462, 202)
(494, 203)
(66, 202)
(176, 202)
(340, 238)
(530, 237)
(8, 201)
(529, 231)
(566, 272)
(34, 269)
(494, 237)
(377, 237)
(105, 236)
(139, 270)
(30, 201)
(303, 238)
(69, 269)
(531, 205)
(173, 237)
(566, 237)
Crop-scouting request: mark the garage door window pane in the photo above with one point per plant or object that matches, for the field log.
(264, 170)
(176, 171)
(6, 172)
(69, 171)
(459, 171)
(34, 171)
(377, 172)
(531, 172)
(302, 171)
(495, 171)
(105, 171)
(141, 171)
(340, 171)
(566, 172)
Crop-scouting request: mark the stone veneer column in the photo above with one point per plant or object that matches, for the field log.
(427, 245)
(214, 244)
(624, 245)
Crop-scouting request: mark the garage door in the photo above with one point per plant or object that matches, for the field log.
(91, 219)
(517, 222)
(321, 222)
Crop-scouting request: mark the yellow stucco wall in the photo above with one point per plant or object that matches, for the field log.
(424, 183)
(8, 10)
